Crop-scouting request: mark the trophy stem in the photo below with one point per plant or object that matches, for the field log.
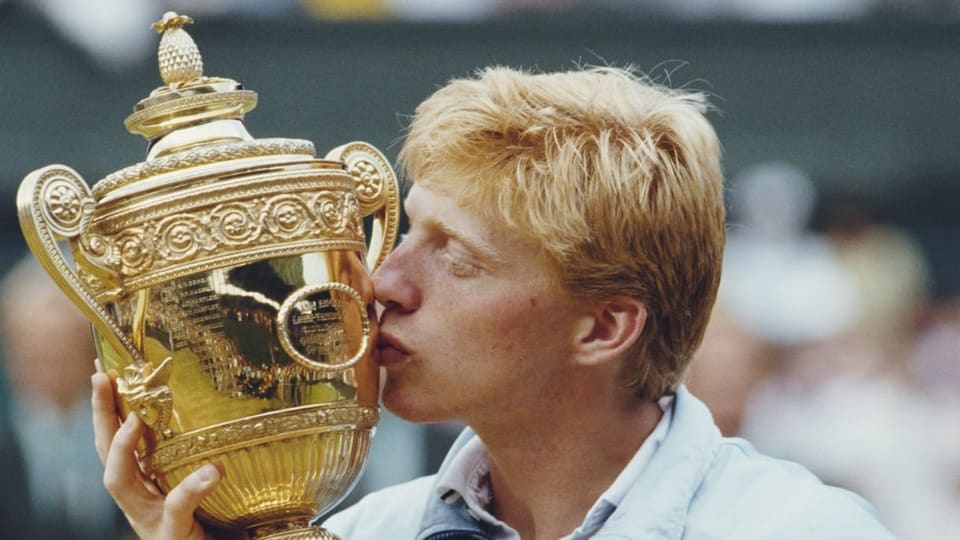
(296, 530)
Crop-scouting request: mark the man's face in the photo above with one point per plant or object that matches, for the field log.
(471, 330)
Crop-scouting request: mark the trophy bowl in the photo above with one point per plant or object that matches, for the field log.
(227, 282)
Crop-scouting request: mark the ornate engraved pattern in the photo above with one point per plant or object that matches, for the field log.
(193, 158)
(223, 259)
(216, 104)
(233, 231)
(181, 237)
(65, 206)
(92, 282)
(247, 431)
(235, 224)
(288, 217)
(337, 216)
(145, 391)
(369, 180)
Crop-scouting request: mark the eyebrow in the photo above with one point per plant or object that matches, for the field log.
(479, 247)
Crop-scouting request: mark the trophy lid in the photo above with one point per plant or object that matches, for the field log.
(194, 122)
(188, 97)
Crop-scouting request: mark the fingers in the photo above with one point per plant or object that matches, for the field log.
(121, 473)
(151, 515)
(178, 520)
(105, 423)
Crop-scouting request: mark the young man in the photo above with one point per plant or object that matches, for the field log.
(563, 257)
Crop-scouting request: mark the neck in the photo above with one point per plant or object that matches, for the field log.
(547, 472)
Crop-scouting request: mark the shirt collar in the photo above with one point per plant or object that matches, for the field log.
(613, 496)
(467, 477)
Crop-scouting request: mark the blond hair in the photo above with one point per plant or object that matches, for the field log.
(617, 179)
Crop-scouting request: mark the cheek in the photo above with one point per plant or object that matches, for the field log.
(524, 322)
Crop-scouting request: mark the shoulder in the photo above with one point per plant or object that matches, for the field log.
(393, 512)
(746, 494)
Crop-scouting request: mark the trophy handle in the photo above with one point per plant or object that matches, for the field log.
(54, 204)
(377, 193)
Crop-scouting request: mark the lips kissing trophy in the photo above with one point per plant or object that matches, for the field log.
(227, 283)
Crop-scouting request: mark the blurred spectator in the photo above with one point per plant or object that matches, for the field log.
(842, 399)
(771, 11)
(451, 10)
(890, 277)
(819, 332)
(112, 32)
(934, 359)
(48, 415)
(729, 365)
(780, 280)
(342, 10)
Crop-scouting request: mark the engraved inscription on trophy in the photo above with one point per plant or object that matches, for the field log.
(316, 327)
(313, 325)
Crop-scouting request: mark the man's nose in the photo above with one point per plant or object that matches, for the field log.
(394, 285)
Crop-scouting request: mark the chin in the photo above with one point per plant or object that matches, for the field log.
(410, 406)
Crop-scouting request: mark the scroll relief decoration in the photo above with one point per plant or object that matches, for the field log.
(231, 227)
(193, 446)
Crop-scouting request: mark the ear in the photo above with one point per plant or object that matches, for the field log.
(609, 330)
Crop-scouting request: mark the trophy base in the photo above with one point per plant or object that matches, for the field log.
(292, 531)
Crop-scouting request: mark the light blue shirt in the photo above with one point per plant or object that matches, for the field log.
(696, 486)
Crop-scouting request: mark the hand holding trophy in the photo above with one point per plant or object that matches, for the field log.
(232, 307)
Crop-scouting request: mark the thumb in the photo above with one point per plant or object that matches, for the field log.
(183, 500)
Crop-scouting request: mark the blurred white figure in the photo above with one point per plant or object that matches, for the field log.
(766, 11)
(447, 10)
(114, 33)
(729, 365)
(781, 281)
(778, 11)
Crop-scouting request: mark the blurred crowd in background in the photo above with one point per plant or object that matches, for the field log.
(827, 348)
(827, 345)
(124, 20)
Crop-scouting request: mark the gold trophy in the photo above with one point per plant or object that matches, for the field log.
(226, 279)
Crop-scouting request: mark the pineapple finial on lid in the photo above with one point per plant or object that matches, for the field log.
(179, 57)
(188, 98)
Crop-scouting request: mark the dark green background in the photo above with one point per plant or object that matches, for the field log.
(869, 110)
